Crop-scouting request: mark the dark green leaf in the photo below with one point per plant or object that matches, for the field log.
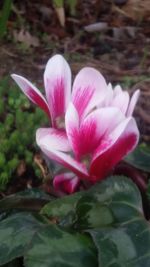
(31, 199)
(54, 247)
(61, 207)
(126, 242)
(110, 212)
(43, 244)
(21, 203)
(35, 193)
(128, 245)
(104, 203)
(148, 190)
(15, 263)
(139, 158)
(16, 233)
(90, 213)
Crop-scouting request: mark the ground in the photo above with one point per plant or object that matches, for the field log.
(118, 47)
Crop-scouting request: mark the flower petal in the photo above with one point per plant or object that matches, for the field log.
(120, 100)
(53, 138)
(119, 143)
(72, 128)
(57, 148)
(84, 138)
(109, 96)
(31, 92)
(66, 183)
(117, 90)
(96, 126)
(57, 80)
(133, 102)
(89, 89)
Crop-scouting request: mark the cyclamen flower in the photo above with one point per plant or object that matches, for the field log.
(92, 124)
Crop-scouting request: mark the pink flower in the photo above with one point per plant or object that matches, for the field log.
(92, 126)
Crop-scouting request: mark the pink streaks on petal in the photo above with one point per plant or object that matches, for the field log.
(56, 99)
(66, 183)
(82, 98)
(111, 156)
(89, 139)
(38, 100)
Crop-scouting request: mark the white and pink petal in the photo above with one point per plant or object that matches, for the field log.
(57, 80)
(109, 95)
(53, 138)
(117, 90)
(96, 126)
(133, 102)
(112, 149)
(72, 129)
(86, 136)
(67, 183)
(121, 100)
(31, 92)
(52, 145)
(89, 89)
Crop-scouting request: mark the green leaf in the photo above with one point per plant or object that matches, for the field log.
(125, 242)
(31, 199)
(16, 233)
(148, 190)
(4, 17)
(28, 200)
(104, 203)
(87, 204)
(140, 158)
(21, 203)
(108, 222)
(128, 245)
(54, 247)
(61, 207)
(90, 213)
(43, 244)
(35, 193)
(15, 263)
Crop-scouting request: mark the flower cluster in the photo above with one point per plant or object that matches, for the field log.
(92, 124)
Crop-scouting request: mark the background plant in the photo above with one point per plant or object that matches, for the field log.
(18, 123)
(6, 9)
(7, 6)
(71, 3)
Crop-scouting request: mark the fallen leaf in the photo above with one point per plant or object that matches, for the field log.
(123, 32)
(26, 38)
(135, 9)
(96, 27)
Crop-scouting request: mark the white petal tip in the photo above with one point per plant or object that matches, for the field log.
(14, 76)
(133, 102)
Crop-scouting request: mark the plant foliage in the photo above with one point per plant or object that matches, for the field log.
(4, 17)
(103, 226)
(140, 158)
(18, 124)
